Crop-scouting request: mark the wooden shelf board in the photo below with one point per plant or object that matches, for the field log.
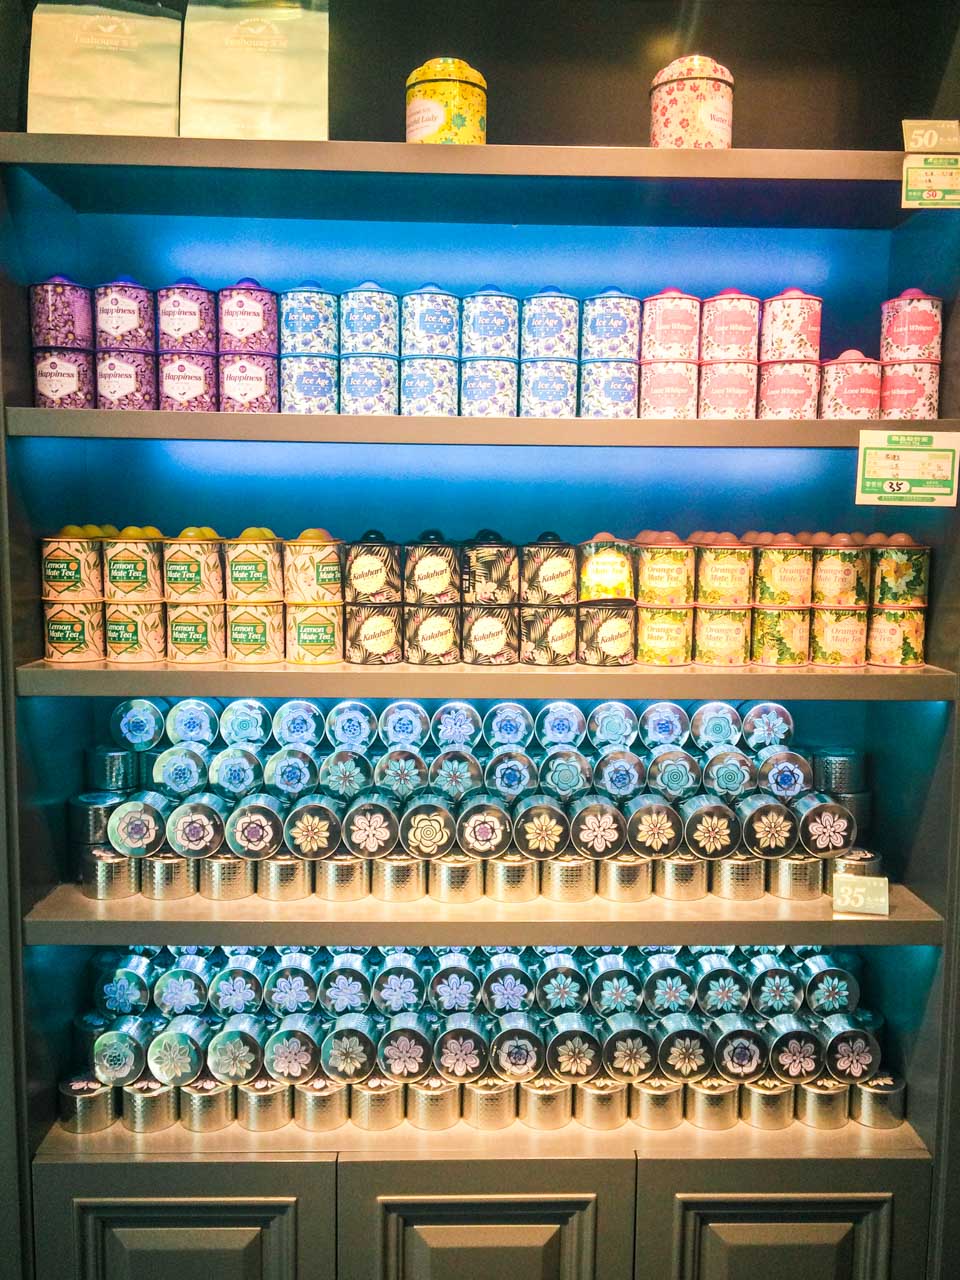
(113, 424)
(405, 1142)
(65, 917)
(101, 679)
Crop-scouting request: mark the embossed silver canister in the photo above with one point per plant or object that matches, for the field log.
(598, 829)
(86, 1105)
(839, 769)
(120, 1052)
(427, 825)
(149, 1106)
(489, 1103)
(855, 862)
(739, 1049)
(137, 826)
(456, 877)
(88, 816)
(826, 828)
(107, 875)
(625, 878)
(197, 827)
(767, 1103)
(398, 984)
(223, 877)
(321, 1104)
(656, 1103)
(738, 878)
(207, 1105)
(246, 721)
(292, 1051)
(235, 1053)
(823, 1103)
(181, 770)
(629, 1047)
(601, 1103)
(371, 825)
(349, 1050)
(710, 828)
(796, 1048)
(829, 984)
(768, 826)
(680, 878)
(545, 1103)
(166, 877)
(879, 1103)
(236, 771)
(184, 986)
(405, 1049)
(254, 829)
(398, 878)
(685, 1052)
(292, 984)
(573, 1050)
(852, 1052)
(110, 768)
(237, 985)
(512, 877)
(125, 986)
(284, 878)
(433, 1103)
(712, 1103)
(654, 828)
(377, 1104)
(264, 1105)
(138, 723)
(177, 1054)
(346, 984)
(461, 1050)
(484, 825)
(775, 987)
(517, 1050)
(342, 878)
(721, 987)
(568, 878)
(798, 877)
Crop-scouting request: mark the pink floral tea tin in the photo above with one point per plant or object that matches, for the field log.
(247, 319)
(911, 326)
(789, 389)
(728, 389)
(668, 389)
(671, 326)
(730, 326)
(248, 384)
(188, 382)
(126, 380)
(850, 387)
(790, 326)
(125, 316)
(691, 104)
(910, 389)
(63, 379)
(61, 314)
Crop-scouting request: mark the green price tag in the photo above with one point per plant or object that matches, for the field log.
(861, 895)
(908, 468)
(930, 182)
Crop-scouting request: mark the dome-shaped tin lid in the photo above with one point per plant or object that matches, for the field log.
(429, 289)
(248, 282)
(671, 293)
(446, 68)
(369, 286)
(693, 66)
(188, 282)
(612, 292)
(491, 290)
(311, 286)
(549, 291)
(731, 293)
(794, 293)
(122, 280)
(909, 294)
(60, 280)
(852, 356)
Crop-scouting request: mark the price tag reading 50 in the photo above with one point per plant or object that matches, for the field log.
(861, 895)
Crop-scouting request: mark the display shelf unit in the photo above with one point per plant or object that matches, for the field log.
(65, 917)
(341, 680)
(764, 218)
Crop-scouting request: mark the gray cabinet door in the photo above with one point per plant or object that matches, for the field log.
(785, 1219)
(202, 1219)
(453, 1218)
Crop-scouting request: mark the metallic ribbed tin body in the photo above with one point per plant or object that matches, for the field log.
(402, 879)
(489, 1103)
(625, 878)
(823, 1104)
(712, 1103)
(840, 769)
(433, 1103)
(796, 877)
(512, 877)
(321, 1105)
(149, 1106)
(86, 1105)
(88, 816)
(860, 804)
(342, 879)
(456, 878)
(106, 875)
(545, 1103)
(767, 1103)
(880, 1103)
(377, 1104)
(165, 877)
(111, 768)
(284, 878)
(568, 878)
(855, 862)
(601, 1103)
(224, 877)
(656, 1103)
(207, 1105)
(738, 879)
(264, 1105)
(680, 878)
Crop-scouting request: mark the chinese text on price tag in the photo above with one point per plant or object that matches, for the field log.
(861, 895)
(931, 170)
(907, 468)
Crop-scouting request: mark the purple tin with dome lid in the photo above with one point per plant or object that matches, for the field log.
(125, 316)
(247, 317)
(61, 314)
(186, 318)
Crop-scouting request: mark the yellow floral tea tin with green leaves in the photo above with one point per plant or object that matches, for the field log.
(446, 102)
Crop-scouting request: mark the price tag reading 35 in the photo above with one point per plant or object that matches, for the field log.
(905, 468)
(861, 895)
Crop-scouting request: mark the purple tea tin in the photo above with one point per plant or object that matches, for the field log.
(125, 316)
(61, 314)
(126, 380)
(63, 379)
(247, 316)
(188, 382)
(187, 318)
(248, 384)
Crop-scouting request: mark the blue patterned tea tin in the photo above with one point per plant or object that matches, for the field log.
(609, 389)
(619, 773)
(369, 321)
(138, 723)
(428, 387)
(247, 721)
(456, 772)
(562, 986)
(565, 772)
(550, 326)
(430, 322)
(612, 724)
(490, 325)
(291, 772)
(548, 388)
(729, 772)
(508, 724)
(194, 720)
(611, 327)
(456, 724)
(308, 384)
(236, 771)
(404, 724)
(664, 723)
(369, 384)
(511, 773)
(560, 724)
(298, 723)
(351, 725)
(715, 724)
(488, 387)
(309, 319)
(345, 773)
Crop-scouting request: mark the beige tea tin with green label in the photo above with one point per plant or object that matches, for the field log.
(722, 637)
(724, 575)
(664, 636)
(312, 570)
(781, 637)
(254, 569)
(72, 568)
(132, 567)
(838, 637)
(895, 637)
(314, 634)
(193, 569)
(255, 632)
(665, 574)
(784, 576)
(135, 631)
(196, 631)
(841, 576)
(73, 630)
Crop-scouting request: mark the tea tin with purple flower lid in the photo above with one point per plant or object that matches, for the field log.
(61, 314)
(125, 316)
(247, 316)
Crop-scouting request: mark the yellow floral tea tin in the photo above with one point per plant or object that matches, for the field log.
(192, 569)
(135, 631)
(838, 637)
(895, 638)
(901, 576)
(781, 637)
(722, 637)
(665, 573)
(841, 575)
(446, 102)
(664, 636)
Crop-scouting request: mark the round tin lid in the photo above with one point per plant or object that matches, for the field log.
(715, 723)
(517, 1053)
(180, 991)
(371, 828)
(446, 69)
(118, 1057)
(832, 990)
(692, 66)
(619, 774)
(614, 990)
(312, 827)
(674, 773)
(456, 724)
(630, 1054)
(508, 724)
(723, 990)
(291, 772)
(511, 773)
(461, 1053)
(686, 1055)
(827, 829)
(254, 830)
(345, 773)
(911, 295)
(455, 986)
(574, 1054)
(125, 281)
(741, 1055)
(430, 289)
(247, 283)
(670, 293)
(309, 286)
(456, 773)
(292, 1056)
(793, 293)
(730, 773)
(427, 828)
(785, 774)
(234, 1056)
(560, 724)
(298, 723)
(796, 1056)
(290, 989)
(562, 988)
(853, 1056)
(405, 1052)
(138, 723)
(404, 724)
(664, 723)
(195, 829)
(399, 988)
(491, 291)
(235, 772)
(507, 989)
(484, 826)
(550, 291)
(565, 773)
(401, 772)
(368, 286)
(351, 725)
(349, 1053)
(612, 724)
(669, 990)
(137, 827)
(654, 828)
(346, 989)
(767, 724)
(234, 990)
(598, 829)
(174, 1057)
(851, 356)
(245, 721)
(58, 280)
(193, 720)
(770, 831)
(713, 831)
(540, 827)
(731, 293)
(776, 990)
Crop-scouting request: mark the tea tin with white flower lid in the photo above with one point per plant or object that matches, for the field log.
(565, 772)
(615, 987)
(428, 827)
(829, 984)
(398, 985)
(541, 828)
(597, 827)
(685, 1051)
(484, 825)
(852, 1053)
(826, 828)
(184, 986)
(120, 1052)
(291, 1053)
(311, 829)
(691, 104)
(629, 1047)
(126, 986)
(456, 773)
(785, 774)
(292, 984)
(454, 985)
(654, 828)
(197, 827)
(346, 984)
(461, 1050)
(345, 773)
(349, 1050)
(673, 772)
(235, 771)
(573, 1048)
(137, 827)
(766, 724)
(612, 724)
(237, 986)
(371, 828)
(177, 1055)
(768, 827)
(405, 1049)
(507, 985)
(911, 326)
(517, 1050)
(669, 986)
(235, 1053)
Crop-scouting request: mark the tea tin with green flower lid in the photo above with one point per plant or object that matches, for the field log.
(615, 987)
(562, 985)
(402, 772)
(456, 773)
(774, 987)
(345, 773)
(245, 721)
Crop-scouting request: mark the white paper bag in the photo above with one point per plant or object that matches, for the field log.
(255, 70)
(104, 68)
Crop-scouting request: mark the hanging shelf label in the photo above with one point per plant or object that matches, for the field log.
(907, 468)
(861, 895)
(931, 135)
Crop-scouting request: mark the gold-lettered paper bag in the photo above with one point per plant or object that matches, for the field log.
(255, 70)
(104, 68)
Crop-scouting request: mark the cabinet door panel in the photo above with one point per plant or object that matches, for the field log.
(190, 1220)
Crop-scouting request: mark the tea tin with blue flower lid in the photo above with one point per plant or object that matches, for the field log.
(184, 986)
(774, 987)
(573, 1050)
(511, 773)
(768, 827)
(456, 724)
(428, 827)
(309, 316)
(371, 828)
(484, 825)
(560, 724)
(517, 1051)
(785, 774)
(729, 772)
(507, 986)
(430, 322)
(669, 986)
(740, 1052)
(461, 1051)
(721, 987)
(398, 985)
(489, 387)
(291, 772)
(508, 724)
(346, 986)
(194, 720)
(139, 723)
(369, 321)
(352, 726)
(182, 769)
(400, 771)
(311, 829)
(664, 723)
(614, 986)
(654, 828)
(349, 1050)
(490, 325)
(456, 773)
(619, 773)
(247, 721)
(298, 723)
(454, 986)
(343, 774)
(237, 986)
(766, 724)
(612, 724)
(292, 984)
(405, 1050)
(610, 328)
(715, 724)
(235, 772)
(255, 828)
(562, 985)
(550, 326)
(541, 828)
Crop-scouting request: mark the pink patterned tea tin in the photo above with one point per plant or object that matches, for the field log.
(186, 317)
(789, 389)
(188, 382)
(910, 389)
(691, 104)
(63, 379)
(668, 389)
(247, 319)
(850, 387)
(126, 380)
(248, 384)
(671, 326)
(790, 326)
(729, 326)
(125, 316)
(911, 326)
(728, 389)
(61, 314)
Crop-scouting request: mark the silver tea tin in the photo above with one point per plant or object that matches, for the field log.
(775, 987)
(110, 768)
(377, 1104)
(601, 1103)
(680, 878)
(852, 1052)
(656, 1103)
(721, 987)
(223, 877)
(254, 829)
(149, 1106)
(879, 1103)
(371, 825)
(739, 1049)
(629, 1047)
(627, 877)
(573, 1050)
(826, 828)
(398, 984)
(345, 984)
(712, 1103)
(107, 875)
(349, 1050)
(461, 1050)
(654, 828)
(489, 1103)
(292, 1051)
(137, 826)
(840, 769)
(235, 1053)
(342, 878)
(237, 985)
(545, 1103)
(823, 1103)
(669, 985)
(798, 877)
(512, 877)
(456, 877)
(165, 877)
(685, 1052)
(796, 1048)
(427, 826)
(177, 1054)
(184, 986)
(284, 878)
(405, 1049)
(517, 1050)
(120, 1051)
(484, 825)
(88, 816)
(197, 827)
(767, 1103)
(86, 1105)
(855, 862)
(292, 984)
(598, 829)
(264, 1105)
(541, 828)
(139, 723)
(398, 879)
(433, 1103)
(236, 771)
(321, 1105)
(207, 1105)
(829, 985)
(710, 828)
(738, 878)
(568, 878)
